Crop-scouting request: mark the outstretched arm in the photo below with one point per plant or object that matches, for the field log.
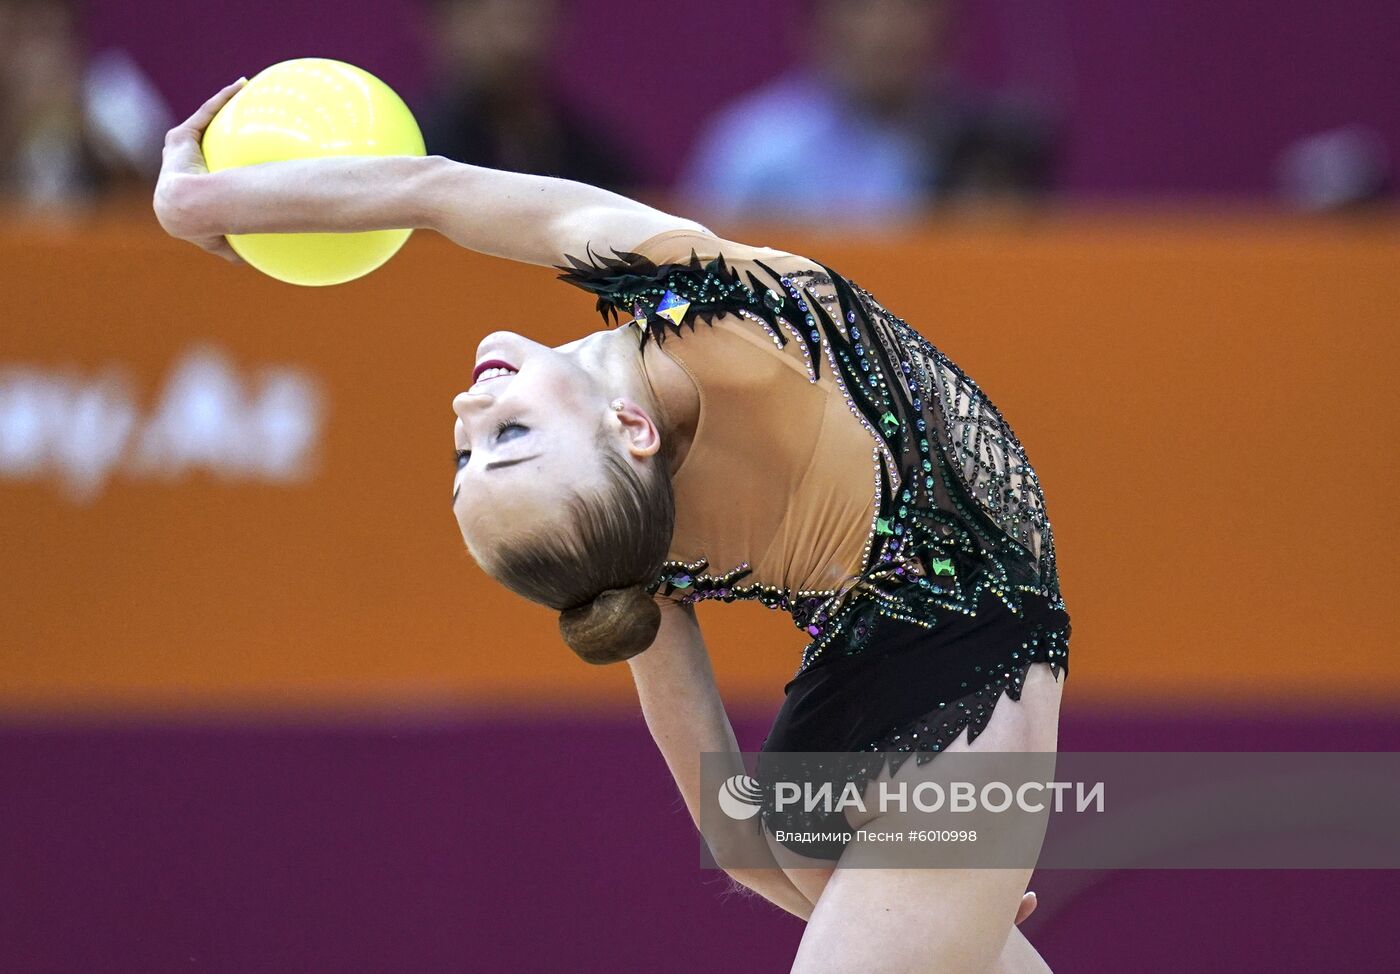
(532, 219)
(683, 710)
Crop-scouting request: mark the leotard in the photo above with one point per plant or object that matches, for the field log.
(846, 471)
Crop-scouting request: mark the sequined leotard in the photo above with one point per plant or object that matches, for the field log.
(846, 471)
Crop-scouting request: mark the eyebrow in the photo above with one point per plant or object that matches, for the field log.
(506, 463)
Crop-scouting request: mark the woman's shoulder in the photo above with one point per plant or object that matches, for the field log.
(680, 245)
(686, 272)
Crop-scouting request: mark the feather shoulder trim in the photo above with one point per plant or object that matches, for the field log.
(666, 296)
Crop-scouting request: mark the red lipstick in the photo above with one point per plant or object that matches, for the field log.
(491, 363)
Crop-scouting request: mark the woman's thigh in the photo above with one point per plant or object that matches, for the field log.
(948, 920)
(1029, 724)
(911, 921)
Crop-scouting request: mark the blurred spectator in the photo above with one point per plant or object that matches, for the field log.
(71, 128)
(870, 126)
(1336, 170)
(496, 104)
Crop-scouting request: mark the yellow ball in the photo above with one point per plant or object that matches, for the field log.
(312, 108)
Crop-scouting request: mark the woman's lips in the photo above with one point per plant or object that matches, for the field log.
(491, 363)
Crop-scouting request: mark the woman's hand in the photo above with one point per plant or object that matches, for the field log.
(183, 161)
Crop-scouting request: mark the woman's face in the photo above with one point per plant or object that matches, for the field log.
(527, 433)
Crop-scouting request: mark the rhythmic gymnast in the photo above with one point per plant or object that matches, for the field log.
(759, 427)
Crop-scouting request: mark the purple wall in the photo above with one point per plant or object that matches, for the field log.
(539, 844)
(1193, 97)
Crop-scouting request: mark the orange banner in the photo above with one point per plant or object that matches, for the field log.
(221, 492)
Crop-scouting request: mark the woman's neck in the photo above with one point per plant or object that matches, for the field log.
(676, 398)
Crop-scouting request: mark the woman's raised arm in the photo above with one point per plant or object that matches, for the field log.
(532, 219)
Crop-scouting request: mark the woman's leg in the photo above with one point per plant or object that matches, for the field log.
(960, 921)
(811, 879)
(903, 921)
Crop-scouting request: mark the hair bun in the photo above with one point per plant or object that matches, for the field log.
(618, 624)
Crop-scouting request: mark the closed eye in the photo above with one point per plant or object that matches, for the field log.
(506, 426)
(509, 426)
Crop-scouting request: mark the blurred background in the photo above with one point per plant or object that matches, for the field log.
(260, 711)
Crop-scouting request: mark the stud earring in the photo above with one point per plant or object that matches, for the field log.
(617, 405)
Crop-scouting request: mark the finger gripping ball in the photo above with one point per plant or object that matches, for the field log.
(313, 108)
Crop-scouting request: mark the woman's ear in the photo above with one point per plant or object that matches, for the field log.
(642, 434)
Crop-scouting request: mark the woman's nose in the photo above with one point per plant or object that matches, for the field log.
(468, 402)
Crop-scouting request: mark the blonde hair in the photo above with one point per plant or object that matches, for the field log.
(597, 570)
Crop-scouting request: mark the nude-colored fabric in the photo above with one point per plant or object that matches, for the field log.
(780, 474)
